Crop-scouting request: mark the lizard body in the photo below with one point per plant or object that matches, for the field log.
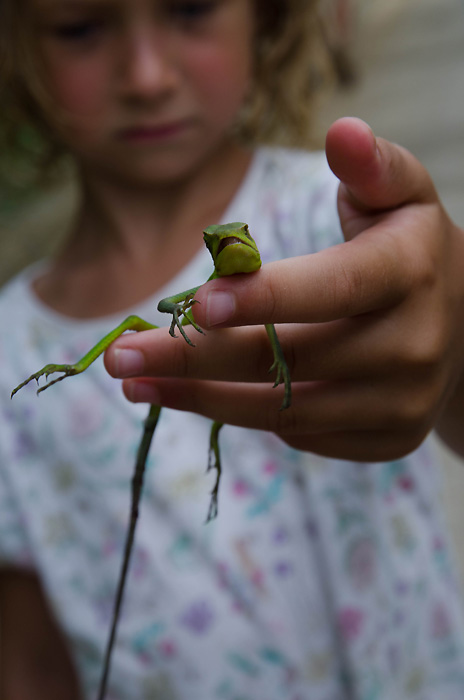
(233, 251)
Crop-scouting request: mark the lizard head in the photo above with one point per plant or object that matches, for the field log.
(232, 248)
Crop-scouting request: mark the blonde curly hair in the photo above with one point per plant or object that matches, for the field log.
(290, 67)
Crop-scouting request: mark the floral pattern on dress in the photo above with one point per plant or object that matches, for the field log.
(320, 579)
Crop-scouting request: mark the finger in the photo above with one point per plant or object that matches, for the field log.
(358, 446)
(368, 273)
(239, 354)
(350, 348)
(376, 174)
(317, 407)
(322, 419)
(323, 351)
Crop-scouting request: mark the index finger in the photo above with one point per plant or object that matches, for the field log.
(352, 278)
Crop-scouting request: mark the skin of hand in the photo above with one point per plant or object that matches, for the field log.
(372, 329)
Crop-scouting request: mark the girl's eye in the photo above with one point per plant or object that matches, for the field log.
(191, 10)
(78, 31)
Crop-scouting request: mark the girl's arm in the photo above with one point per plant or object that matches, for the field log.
(372, 329)
(34, 660)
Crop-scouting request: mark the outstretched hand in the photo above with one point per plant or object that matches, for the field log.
(372, 329)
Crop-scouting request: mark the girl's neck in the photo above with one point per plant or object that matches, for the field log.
(136, 219)
(128, 241)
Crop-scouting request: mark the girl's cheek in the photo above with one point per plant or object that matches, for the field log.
(221, 76)
(78, 91)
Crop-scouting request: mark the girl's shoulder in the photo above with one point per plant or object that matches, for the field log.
(293, 166)
(18, 288)
(34, 333)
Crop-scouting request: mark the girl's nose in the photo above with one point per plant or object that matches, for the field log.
(148, 67)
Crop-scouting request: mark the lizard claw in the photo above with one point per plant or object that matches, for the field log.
(282, 377)
(183, 310)
(67, 371)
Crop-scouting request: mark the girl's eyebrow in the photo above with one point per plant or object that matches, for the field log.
(65, 5)
(46, 10)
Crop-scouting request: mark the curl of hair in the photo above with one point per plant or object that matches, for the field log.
(292, 68)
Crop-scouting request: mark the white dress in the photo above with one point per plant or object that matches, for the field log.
(319, 580)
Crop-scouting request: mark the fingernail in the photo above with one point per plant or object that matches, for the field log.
(220, 306)
(128, 362)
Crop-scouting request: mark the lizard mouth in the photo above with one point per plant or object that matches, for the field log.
(230, 240)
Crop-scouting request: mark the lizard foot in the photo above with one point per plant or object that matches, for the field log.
(67, 371)
(282, 377)
(181, 317)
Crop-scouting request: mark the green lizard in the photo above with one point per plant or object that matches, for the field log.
(233, 251)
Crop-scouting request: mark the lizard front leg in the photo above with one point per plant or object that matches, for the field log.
(131, 323)
(179, 306)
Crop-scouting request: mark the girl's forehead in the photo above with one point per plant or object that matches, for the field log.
(85, 3)
(64, 6)
(58, 4)
(82, 4)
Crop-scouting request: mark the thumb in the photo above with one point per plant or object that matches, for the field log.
(375, 175)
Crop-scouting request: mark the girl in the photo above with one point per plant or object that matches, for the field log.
(322, 577)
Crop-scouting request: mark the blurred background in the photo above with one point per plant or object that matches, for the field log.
(400, 66)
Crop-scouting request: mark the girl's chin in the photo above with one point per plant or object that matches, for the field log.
(153, 167)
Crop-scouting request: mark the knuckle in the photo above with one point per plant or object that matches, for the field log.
(273, 299)
(182, 359)
(347, 287)
(424, 253)
(408, 441)
(263, 356)
(425, 352)
(425, 269)
(282, 422)
(413, 413)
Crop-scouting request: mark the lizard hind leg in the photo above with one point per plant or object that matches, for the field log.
(214, 462)
(280, 367)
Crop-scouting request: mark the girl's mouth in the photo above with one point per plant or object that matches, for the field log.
(145, 132)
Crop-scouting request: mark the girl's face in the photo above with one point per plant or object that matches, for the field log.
(145, 89)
